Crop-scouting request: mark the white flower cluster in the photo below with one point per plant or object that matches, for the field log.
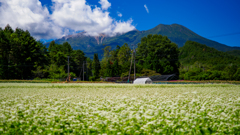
(119, 109)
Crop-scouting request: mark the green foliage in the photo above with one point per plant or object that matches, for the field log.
(109, 70)
(67, 49)
(96, 67)
(158, 53)
(115, 62)
(236, 76)
(200, 62)
(124, 54)
(41, 72)
(89, 68)
(57, 72)
(234, 53)
(116, 68)
(20, 54)
(22, 57)
(149, 56)
(148, 72)
(51, 45)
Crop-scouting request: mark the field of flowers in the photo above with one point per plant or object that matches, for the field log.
(27, 108)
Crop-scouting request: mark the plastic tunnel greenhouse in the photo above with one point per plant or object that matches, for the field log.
(142, 81)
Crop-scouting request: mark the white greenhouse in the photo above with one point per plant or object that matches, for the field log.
(142, 81)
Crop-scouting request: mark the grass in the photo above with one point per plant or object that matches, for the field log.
(50, 108)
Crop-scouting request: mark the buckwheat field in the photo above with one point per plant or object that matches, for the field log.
(119, 109)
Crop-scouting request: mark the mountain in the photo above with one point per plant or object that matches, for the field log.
(175, 32)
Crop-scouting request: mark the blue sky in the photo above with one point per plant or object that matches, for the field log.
(218, 20)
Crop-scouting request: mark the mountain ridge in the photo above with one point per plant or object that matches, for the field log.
(176, 33)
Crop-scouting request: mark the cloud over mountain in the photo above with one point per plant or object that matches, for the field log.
(68, 16)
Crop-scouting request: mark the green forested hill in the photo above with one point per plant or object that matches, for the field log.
(193, 51)
(200, 62)
(234, 52)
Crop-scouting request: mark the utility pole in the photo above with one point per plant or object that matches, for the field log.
(130, 69)
(83, 70)
(68, 69)
(87, 71)
(134, 51)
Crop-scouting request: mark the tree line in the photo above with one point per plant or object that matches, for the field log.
(23, 57)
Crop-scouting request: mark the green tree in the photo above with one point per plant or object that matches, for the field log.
(57, 72)
(67, 49)
(109, 71)
(77, 59)
(51, 45)
(6, 45)
(236, 76)
(116, 70)
(96, 66)
(104, 61)
(4, 50)
(157, 52)
(89, 68)
(42, 62)
(124, 54)
(114, 53)
(26, 52)
(124, 57)
(21, 54)
(106, 54)
(58, 55)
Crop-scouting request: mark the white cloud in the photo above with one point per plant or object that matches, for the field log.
(28, 15)
(68, 16)
(105, 4)
(146, 8)
(122, 27)
(76, 15)
(119, 14)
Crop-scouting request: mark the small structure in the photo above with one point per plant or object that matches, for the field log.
(142, 81)
(164, 77)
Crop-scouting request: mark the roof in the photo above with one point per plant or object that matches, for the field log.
(163, 77)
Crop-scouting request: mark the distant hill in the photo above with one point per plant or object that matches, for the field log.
(234, 53)
(200, 62)
(193, 52)
(175, 32)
